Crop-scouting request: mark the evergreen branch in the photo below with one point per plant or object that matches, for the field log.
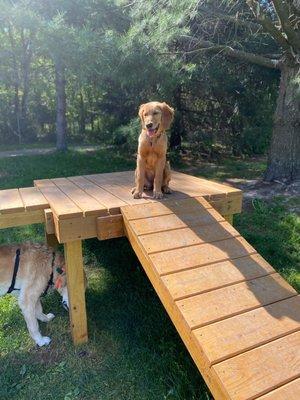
(267, 23)
(281, 8)
(207, 46)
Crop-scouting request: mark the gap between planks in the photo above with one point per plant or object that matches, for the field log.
(234, 314)
(255, 346)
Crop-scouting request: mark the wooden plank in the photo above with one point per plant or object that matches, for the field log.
(219, 304)
(194, 189)
(185, 258)
(196, 217)
(214, 276)
(110, 227)
(111, 185)
(50, 236)
(51, 240)
(290, 391)
(70, 229)
(260, 370)
(229, 218)
(43, 183)
(231, 204)
(76, 291)
(10, 201)
(246, 331)
(21, 218)
(221, 187)
(161, 241)
(33, 199)
(155, 209)
(49, 222)
(180, 324)
(111, 202)
(60, 203)
(86, 203)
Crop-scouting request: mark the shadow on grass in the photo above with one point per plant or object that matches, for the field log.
(134, 352)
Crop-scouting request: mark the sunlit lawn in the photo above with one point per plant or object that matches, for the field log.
(134, 351)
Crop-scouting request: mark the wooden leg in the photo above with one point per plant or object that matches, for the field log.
(229, 218)
(76, 291)
(51, 240)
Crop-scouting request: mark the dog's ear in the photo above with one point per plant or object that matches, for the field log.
(167, 115)
(141, 109)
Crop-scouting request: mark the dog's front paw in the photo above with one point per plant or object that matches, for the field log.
(43, 341)
(157, 195)
(50, 317)
(166, 190)
(137, 195)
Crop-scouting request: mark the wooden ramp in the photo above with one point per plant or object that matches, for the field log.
(239, 319)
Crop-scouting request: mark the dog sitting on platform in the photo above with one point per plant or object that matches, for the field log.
(28, 271)
(153, 170)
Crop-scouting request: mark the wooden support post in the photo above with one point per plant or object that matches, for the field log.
(76, 291)
(50, 237)
(229, 218)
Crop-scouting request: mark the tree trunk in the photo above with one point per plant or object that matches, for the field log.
(284, 154)
(26, 61)
(81, 115)
(177, 128)
(61, 121)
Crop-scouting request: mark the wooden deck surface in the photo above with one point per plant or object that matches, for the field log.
(103, 194)
(239, 319)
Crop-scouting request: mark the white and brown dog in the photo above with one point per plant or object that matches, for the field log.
(27, 271)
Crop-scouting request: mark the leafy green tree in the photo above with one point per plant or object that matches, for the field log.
(257, 32)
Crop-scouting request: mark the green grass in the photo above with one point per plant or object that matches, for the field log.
(37, 145)
(134, 352)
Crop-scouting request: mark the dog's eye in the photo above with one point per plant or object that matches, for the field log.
(155, 112)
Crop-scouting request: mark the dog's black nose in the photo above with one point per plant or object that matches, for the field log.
(149, 125)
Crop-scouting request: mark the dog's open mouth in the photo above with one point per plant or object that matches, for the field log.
(152, 131)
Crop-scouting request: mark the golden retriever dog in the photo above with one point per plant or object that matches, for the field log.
(153, 170)
(39, 268)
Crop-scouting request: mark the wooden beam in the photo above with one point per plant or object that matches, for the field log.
(110, 227)
(229, 218)
(49, 222)
(76, 291)
(21, 218)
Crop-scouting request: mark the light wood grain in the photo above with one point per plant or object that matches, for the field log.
(76, 291)
(111, 202)
(194, 217)
(10, 201)
(231, 300)
(184, 258)
(21, 218)
(113, 185)
(161, 241)
(59, 202)
(33, 199)
(86, 203)
(243, 332)
(110, 227)
(262, 369)
(180, 324)
(290, 391)
(214, 276)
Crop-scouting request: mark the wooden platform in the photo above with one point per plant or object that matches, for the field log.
(238, 318)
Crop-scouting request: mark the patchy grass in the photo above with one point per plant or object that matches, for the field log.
(134, 352)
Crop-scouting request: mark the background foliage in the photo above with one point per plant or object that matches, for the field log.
(116, 57)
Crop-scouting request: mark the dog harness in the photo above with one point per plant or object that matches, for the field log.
(16, 268)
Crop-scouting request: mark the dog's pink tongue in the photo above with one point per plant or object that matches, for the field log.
(150, 132)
